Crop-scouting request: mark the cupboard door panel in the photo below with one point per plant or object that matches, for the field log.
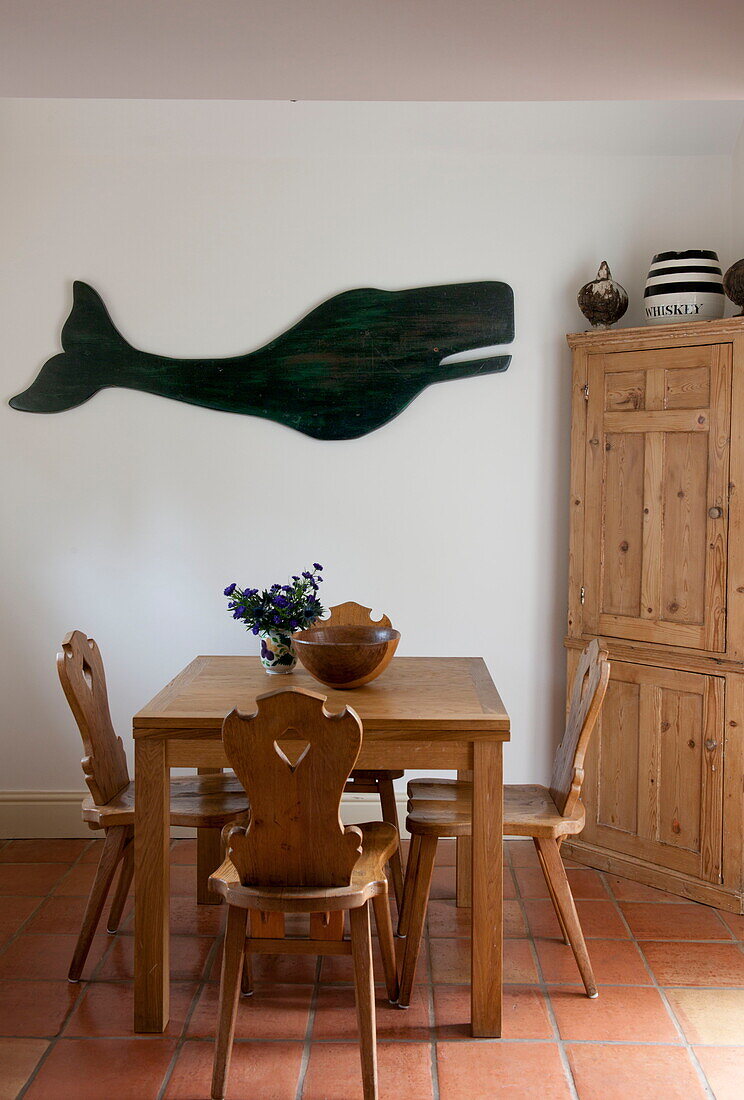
(654, 773)
(657, 495)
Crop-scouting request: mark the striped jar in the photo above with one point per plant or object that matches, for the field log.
(684, 286)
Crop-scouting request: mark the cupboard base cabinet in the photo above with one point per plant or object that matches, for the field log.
(656, 569)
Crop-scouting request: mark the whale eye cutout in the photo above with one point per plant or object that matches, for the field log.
(489, 352)
(291, 751)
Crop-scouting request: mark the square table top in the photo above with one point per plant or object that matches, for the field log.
(414, 694)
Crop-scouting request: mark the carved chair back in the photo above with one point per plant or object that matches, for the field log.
(353, 614)
(293, 759)
(83, 681)
(587, 695)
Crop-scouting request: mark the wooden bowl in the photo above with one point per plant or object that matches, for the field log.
(346, 656)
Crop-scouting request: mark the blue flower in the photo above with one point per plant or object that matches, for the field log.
(238, 612)
(318, 567)
(281, 601)
(230, 589)
(254, 629)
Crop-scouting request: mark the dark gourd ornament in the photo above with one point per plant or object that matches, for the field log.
(603, 301)
(733, 284)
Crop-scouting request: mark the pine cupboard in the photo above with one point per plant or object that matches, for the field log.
(656, 569)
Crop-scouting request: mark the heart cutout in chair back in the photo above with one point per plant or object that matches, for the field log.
(291, 749)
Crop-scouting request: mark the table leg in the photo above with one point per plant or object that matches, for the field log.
(464, 862)
(488, 890)
(208, 856)
(152, 885)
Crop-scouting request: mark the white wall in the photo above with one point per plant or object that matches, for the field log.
(127, 516)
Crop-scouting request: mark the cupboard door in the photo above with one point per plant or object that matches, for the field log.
(654, 772)
(657, 495)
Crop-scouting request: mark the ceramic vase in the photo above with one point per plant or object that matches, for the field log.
(603, 301)
(277, 652)
(733, 284)
(684, 286)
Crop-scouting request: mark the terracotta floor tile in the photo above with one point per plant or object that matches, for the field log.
(188, 958)
(482, 1071)
(42, 851)
(268, 1071)
(335, 1015)
(339, 968)
(78, 882)
(521, 853)
(625, 890)
(615, 962)
(48, 955)
(659, 921)
(14, 911)
(584, 883)
(525, 1012)
(724, 1069)
(36, 1008)
(450, 961)
(30, 879)
(710, 1015)
(445, 919)
(92, 853)
(619, 1013)
(65, 914)
(183, 851)
(605, 1072)
(275, 969)
(334, 1071)
(272, 1012)
(18, 1059)
(734, 921)
(694, 964)
(107, 1009)
(443, 882)
(127, 1069)
(187, 918)
(599, 919)
(446, 853)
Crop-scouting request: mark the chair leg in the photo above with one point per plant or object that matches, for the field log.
(419, 901)
(381, 906)
(232, 963)
(113, 850)
(209, 855)
(122, 889)
(246, 977)
(390, 813)
(556, 874)
(551, 891)
(411, 866)
(364, 987)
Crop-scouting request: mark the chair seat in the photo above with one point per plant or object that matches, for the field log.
(379, 841)
(364, 780)
(443, 807)
(199, 801)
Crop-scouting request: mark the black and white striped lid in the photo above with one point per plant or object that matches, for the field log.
(696, 270)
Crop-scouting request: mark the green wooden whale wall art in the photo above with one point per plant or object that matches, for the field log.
(346, 368)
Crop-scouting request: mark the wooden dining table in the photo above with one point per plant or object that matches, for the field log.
(424, 713)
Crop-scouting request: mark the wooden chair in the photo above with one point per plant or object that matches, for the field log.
(208, 801)
(443, 808)
(364, 781)
(295, 856)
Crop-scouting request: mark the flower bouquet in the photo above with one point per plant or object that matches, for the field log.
(276, 613)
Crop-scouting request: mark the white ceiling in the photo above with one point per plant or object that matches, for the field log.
(444, 50)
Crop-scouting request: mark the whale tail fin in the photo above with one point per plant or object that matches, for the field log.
(74, 376)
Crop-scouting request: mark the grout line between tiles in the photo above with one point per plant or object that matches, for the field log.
(305, 1059)
(82, 986)
(542, 984)
(708, 1091)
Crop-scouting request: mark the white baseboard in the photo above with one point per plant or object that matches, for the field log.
(57, 813)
